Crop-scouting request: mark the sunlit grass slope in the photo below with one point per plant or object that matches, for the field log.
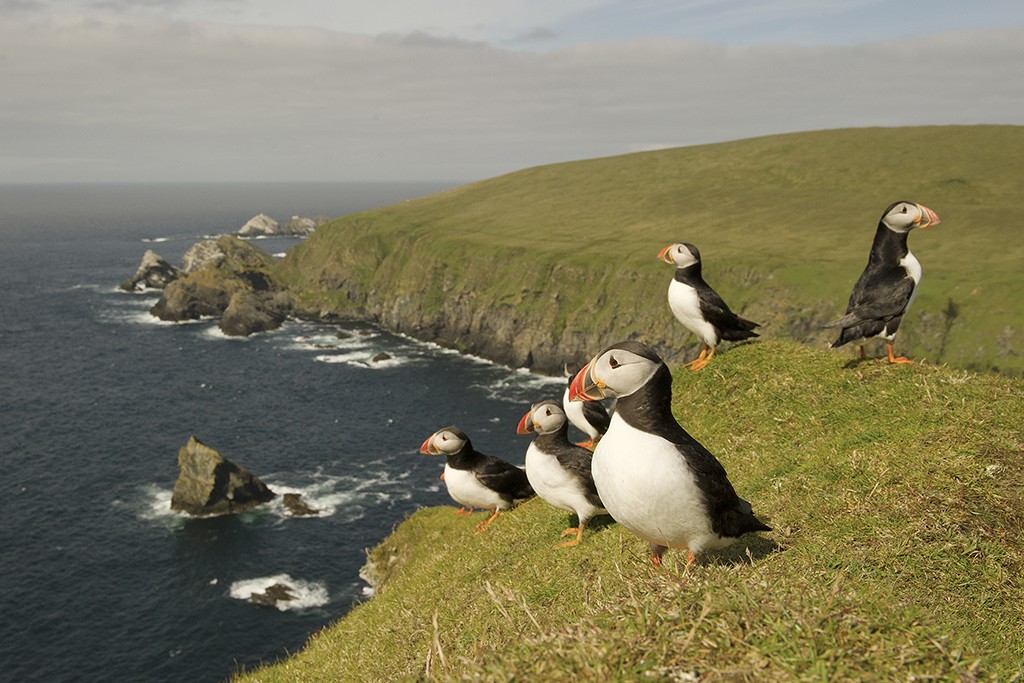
(897, 505)
(784, 224)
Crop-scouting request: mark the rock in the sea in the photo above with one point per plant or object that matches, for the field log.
(382, 356)
(205, 254)
(154, 272)
(297, 507)
(248, 312)
(274, 594)
(209, 484)
(299, 225)
(260, 225)
(233, 275)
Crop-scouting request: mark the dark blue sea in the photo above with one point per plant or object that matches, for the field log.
(99, 580)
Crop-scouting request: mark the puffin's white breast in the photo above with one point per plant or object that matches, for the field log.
(647, 487)
(552, 483)
(466, 489)
(685, 305)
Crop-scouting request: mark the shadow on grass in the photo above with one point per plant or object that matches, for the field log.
(746, 551)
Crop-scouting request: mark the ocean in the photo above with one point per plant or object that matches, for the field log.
(99, 579)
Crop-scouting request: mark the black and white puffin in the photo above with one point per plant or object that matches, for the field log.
(888, 285)
(559, 471)
(590, 417)
(474, 479)
(698, 307)
(653, 477)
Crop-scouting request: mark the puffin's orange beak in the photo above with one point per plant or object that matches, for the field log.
(928, 217)
(428, 447)
(586, 387)
(663, 254)
(525, 423)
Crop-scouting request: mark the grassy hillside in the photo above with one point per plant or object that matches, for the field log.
(541, 265)
(897, 553)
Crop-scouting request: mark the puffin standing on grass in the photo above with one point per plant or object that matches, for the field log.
(559, 471)
(887, 287)
(589, 417)
(698, 307)
(474, 479)
(653, 477)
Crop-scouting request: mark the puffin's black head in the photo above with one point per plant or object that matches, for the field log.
(904, 216)
(544, 417)
(447, 441)
(617, 371)
(682, 254)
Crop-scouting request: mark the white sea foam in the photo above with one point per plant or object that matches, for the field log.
(155, 506)
(308, 594)
(324, 496)
(155, 240)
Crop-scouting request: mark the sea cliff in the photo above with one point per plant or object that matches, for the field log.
(550, 264)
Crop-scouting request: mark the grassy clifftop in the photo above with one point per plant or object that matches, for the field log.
(895, 494)
(548, 263)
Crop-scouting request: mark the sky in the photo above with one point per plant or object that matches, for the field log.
(461, 90)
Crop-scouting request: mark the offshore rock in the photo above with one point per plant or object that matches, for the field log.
(234, 280)
(209, 484)
(297, 507)
(250, 312)
(154, 272)
(300, 226)
(205, 254)
(260, 225)
(274, 594)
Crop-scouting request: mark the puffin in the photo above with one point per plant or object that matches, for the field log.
(698, 307)
(558, 470)
(653, 477)
(887, 287)
(474, 479)
(589, 417)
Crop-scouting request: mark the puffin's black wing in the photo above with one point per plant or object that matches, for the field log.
(596, 415)
(731, 516)
(730, 326)
(577, 461)
(505, 478)
(879, 296)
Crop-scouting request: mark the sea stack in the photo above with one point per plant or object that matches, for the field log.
(209, 484)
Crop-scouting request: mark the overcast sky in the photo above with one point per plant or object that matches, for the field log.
(296, 90)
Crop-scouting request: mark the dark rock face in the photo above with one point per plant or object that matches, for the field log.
(209, 484)
(227, 278)
(273, 595)
(249, 312)
(154, 272)
(192, 298)
(297, 507)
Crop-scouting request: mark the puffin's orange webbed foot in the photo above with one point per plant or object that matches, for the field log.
(487, 522)
(702, 359)
(894, 358)
(573, 541)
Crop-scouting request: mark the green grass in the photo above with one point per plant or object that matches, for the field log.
(898, 512)
(567, 252)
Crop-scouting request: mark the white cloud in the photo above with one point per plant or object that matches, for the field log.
(117, 97)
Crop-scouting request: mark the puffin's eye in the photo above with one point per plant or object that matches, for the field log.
(612, 362)
(904, 209)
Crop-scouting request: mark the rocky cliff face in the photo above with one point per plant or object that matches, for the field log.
(496, 303)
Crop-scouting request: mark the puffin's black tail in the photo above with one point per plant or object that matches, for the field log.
(740, 329)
